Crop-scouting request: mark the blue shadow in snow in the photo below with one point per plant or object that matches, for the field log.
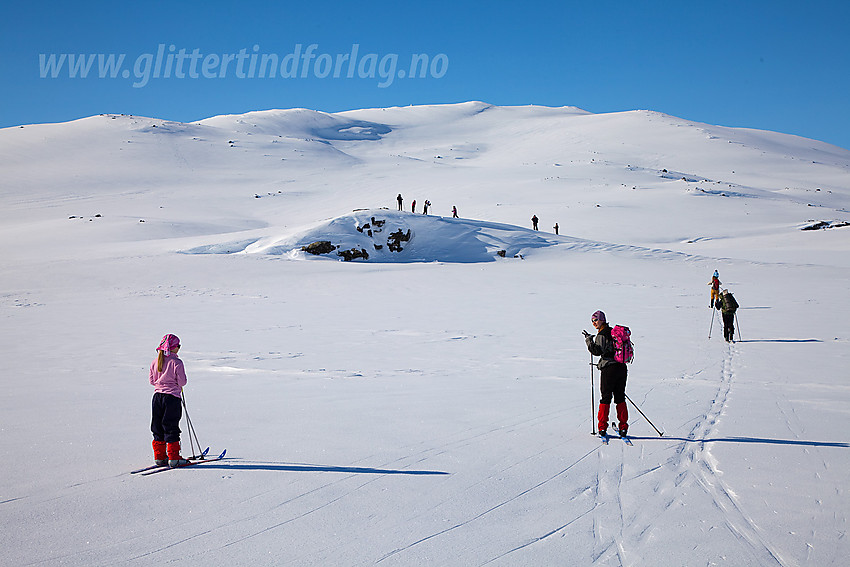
(301, 467)
(781, 341)
(793, 442)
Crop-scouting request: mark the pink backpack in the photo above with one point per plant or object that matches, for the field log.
(623, 349)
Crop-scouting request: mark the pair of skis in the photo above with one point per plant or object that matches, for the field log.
(194, 460)
(604, 437)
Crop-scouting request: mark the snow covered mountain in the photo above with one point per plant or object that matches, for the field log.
(495, 164)
(428, 402)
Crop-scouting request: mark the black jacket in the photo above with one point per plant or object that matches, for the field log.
(602, 345)
(727, 303)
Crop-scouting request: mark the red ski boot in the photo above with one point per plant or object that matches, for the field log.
(602, 417)
(160, 453)
(623, 418)
(174, 458)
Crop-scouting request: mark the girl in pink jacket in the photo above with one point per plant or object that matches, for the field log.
(168, 377)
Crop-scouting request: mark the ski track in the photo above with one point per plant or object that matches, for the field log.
(472, 436)
(271, 527)
(423, 451)
(422, 454)
(206, 530)
(303, 514)
(468, 438)
(488, 511)
(539, 538)
(616, 538)
(693, 461)
(608, 519)
(619, 538)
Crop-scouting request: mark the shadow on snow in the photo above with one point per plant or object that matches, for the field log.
(758, 440)
(782, 341)
(303, 467)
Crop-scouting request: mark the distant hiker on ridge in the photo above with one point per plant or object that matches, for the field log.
(556, 228)
(454, 212)
(613, 374)
(413, 206)
(168, 377)
(715, 288)
(534, 220)
(425, 207)
(728, 306)
(400, 201)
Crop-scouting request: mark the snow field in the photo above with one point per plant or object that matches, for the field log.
(434, 410)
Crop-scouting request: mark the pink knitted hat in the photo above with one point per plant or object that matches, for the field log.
(169, 343)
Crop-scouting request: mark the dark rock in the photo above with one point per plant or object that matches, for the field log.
(395, 239)
(354, 253)
(320, 247)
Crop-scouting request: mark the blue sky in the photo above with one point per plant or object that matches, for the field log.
(774, 65)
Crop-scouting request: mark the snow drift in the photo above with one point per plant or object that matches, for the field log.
(383, 235)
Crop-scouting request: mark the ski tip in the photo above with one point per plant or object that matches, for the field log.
(201, 456)
(221, 456)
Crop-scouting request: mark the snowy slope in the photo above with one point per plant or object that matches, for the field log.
(385, 236)
(430, 406)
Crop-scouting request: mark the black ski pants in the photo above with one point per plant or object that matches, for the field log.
(729, 326)
(613, 383)
(166, 411)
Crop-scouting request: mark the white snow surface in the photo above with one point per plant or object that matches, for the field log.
(429, 406)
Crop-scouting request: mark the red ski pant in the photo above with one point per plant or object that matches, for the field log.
(613, 385)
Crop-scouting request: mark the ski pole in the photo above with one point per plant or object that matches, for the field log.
(192, 434)
(189, 423)
(739, 327)
(712, 323)
(200, 452)
(592, 399)
(191, 431)
(644, 416)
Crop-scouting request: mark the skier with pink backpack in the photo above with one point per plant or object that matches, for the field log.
(614, 347)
